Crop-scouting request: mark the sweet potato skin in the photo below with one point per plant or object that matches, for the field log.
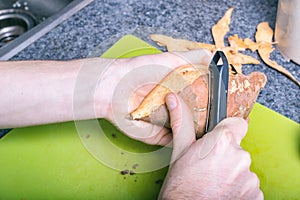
(242, 94)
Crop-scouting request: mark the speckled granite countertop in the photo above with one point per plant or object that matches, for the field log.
(78, 36)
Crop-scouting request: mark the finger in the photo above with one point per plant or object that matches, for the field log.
(234, 128)
(181, 124)
(138, 95)
(172, 60)
(163, 138)
(199, 56)
(146, 132)
(253, 183)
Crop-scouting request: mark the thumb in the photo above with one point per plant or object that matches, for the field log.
(233, 129)
(182, 125)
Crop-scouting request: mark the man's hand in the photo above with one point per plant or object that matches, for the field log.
(57, 91)
(213, 167)
(128, 81)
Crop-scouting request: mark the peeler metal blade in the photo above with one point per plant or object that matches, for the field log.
(218, 89)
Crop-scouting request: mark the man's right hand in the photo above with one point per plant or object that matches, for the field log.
(213, 167)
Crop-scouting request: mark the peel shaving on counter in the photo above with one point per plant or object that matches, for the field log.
(263, 45)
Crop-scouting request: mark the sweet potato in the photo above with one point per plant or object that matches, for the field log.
(191, 83)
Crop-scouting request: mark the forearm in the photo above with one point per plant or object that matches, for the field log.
(39, 92)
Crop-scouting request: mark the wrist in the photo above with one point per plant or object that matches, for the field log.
(87, 103)
(108, 74)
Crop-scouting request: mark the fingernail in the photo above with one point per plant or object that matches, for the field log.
(171, 101)
(129, 117)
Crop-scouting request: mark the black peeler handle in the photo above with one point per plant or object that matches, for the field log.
(218, 88)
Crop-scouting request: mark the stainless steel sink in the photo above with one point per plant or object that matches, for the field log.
(24, 21)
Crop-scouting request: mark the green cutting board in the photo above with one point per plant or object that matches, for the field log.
(50, 161)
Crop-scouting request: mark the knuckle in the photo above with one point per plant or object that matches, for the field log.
(253, 191)
(256, 183)
(176, 123)
(246, 155)
(227, 133)
(260, 194)
(246, 158)
(253, 176)
(243, 157)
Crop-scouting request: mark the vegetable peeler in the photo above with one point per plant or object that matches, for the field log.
(218, 83)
